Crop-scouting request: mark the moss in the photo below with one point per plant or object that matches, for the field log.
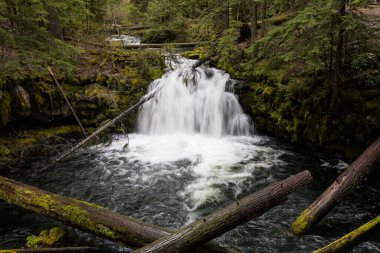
(268, 91)
(5, 108)
(156, 73)
(302, 222)
(350, 238)
(46, 238)
(4, 151)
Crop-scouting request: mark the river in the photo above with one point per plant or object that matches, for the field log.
(193, 152)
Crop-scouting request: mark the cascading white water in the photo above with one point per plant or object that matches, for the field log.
(194, 131)
(193, 101)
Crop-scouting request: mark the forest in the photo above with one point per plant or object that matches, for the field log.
(189, 126)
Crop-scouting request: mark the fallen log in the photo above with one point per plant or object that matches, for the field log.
(52, 250)
(203, 61)
(105, 126)
(342, 186)
(67, 101)
(227, 218)
(178, 45)
(87, 216)
(277, 20)
(351, 238)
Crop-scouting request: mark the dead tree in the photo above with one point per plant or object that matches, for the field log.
(225, 219)
(351, 238)
(67, 100)
(342, 186)
(87, 216)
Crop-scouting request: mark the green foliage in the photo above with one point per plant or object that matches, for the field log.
(229, 53)
(167, 19)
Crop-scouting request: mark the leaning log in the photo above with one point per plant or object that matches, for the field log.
(87, 216)
(227, 218)
(350, 239)
(177, 45)
(203, 61)
(342, 186)
(67, 101)
(53, 250)
(106, 126)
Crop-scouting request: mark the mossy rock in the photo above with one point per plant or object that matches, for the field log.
(5, 108)
(46, 238)
(4, 151)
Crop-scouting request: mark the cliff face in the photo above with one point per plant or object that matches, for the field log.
(305, 119)
(32, 108)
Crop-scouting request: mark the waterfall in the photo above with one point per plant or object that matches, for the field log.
(193, 101)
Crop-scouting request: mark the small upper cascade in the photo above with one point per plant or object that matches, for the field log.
(193, 101)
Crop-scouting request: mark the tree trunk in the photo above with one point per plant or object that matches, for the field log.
(67, 101)
(53, 250)
(342, 186)
(263, 17)
(87, 216)
(227, 15)
(350, 239)
(12, 14)
(254, 22)
(341, 5)
(227, 218)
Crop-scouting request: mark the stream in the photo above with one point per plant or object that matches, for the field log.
(194, 151)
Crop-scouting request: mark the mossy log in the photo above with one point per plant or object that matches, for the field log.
(342, 186)
(177, 45)
(225, 219)
(351, 238)
(53, 250)
(87, 216)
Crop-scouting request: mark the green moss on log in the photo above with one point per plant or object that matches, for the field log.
(46, 238)
(350, 238)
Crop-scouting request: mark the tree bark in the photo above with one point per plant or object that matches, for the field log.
(53, 250)
(350, 239)
(341, 5)
(342, 186)
(87, 216)
(227, 218)
(263, 17)
(254, 20)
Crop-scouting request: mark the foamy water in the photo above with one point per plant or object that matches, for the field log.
(194, 124)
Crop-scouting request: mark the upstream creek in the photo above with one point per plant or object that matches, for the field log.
(194, 151)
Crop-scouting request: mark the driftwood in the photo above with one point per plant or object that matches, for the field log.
(87, 216)
(342, 186)
(227, 218)
(53, 250)
(67, 100)
(182, 44)
(350, 239)
(105, 126)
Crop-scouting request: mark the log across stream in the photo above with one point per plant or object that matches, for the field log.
(172, 179)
